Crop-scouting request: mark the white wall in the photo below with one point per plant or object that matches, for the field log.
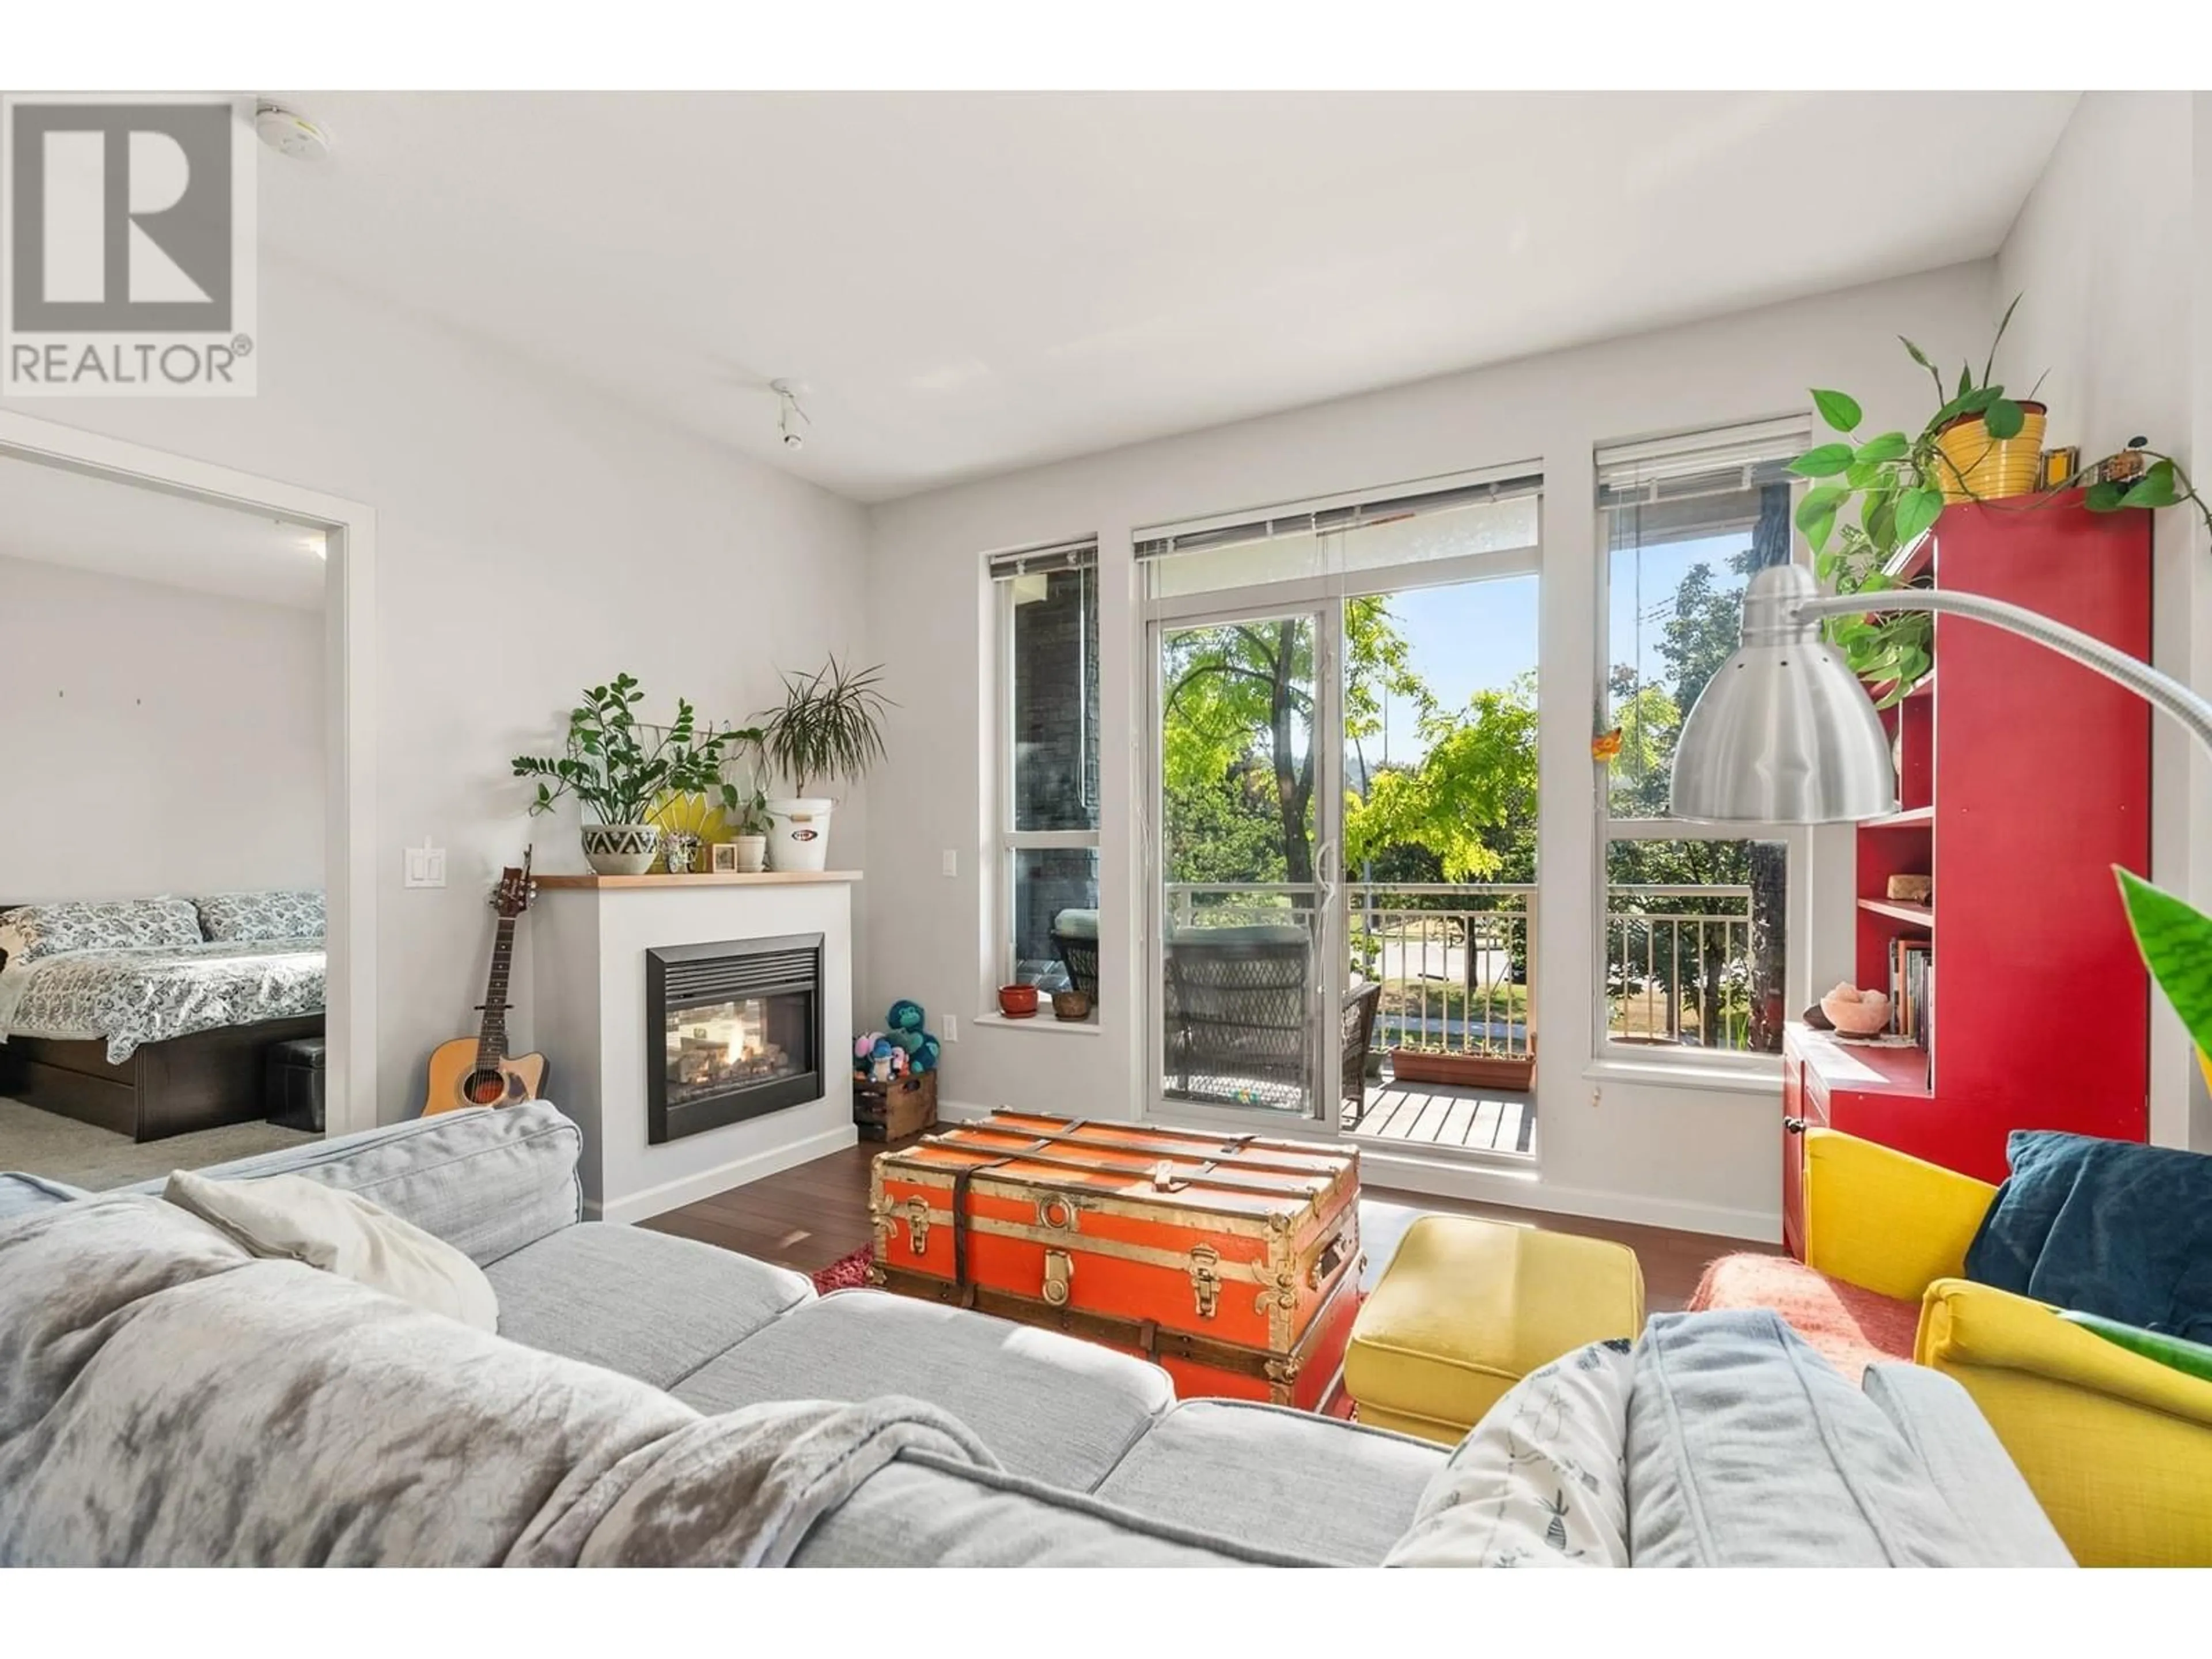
(155, 740)
(2113, 251)
(1700, 1157)
(532, 538)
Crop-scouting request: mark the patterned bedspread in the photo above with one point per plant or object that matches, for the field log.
(153, 993)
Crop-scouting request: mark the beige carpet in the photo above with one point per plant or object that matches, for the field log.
(62, 1149)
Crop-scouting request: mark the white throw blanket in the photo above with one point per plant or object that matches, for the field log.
(167, 1400)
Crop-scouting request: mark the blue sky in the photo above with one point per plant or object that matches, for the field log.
(1480, 635)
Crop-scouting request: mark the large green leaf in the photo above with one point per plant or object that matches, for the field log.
(2004, 418)
(1838, 409)
(2176, 941)
(2154, 488)
(1889, 446)
(1816, 513)
(1824, 462)
(1917, 509)
(2102, 497)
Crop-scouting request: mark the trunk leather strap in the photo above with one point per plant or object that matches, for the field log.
(961, 1177)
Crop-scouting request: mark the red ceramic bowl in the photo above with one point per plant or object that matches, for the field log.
(1017, 1001)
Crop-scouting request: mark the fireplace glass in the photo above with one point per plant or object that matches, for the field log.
(733, 1031)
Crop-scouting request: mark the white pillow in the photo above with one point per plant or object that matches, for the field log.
(292, 1219)
(1539, 1482)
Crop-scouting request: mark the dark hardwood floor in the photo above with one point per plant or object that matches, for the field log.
(808, 1217)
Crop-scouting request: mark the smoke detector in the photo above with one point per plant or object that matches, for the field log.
(288, 132)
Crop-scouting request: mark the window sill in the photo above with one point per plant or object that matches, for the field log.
(1763, 1081)
(1039, 1022)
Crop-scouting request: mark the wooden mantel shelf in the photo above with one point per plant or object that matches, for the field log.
(762, 878)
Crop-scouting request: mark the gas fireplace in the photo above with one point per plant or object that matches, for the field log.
(733, 1031)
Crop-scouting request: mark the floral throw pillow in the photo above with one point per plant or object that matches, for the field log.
(1539, 1482)
(230, 918)
(32, 931)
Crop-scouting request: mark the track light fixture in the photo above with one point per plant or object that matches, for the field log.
(789, 416)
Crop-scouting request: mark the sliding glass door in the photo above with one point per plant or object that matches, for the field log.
(1247, 949)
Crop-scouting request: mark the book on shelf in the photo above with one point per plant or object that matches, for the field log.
(1912, 978)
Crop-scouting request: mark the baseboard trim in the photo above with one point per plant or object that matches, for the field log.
(963, 1111)
(689, 1190)
(1528, 1190)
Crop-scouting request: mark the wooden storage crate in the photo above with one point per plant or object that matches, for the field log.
(891, 1111)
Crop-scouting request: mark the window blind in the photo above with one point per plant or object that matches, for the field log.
(1388, 509)
(1722, 461)
(1044, 561)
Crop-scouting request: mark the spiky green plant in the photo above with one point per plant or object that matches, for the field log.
(2176, 941)
(830, 726)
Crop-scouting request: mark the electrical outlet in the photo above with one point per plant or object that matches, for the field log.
(423, 865)
(951, 862)
(952, 1028)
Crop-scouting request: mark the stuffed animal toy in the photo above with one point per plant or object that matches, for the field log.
(886, 1062)
(905, 1015)
(925, 1057)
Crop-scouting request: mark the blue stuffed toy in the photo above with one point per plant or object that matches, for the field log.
(906, 1015)
(925, 1056)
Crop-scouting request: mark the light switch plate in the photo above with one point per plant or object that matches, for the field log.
(423, 865)
(951, 862)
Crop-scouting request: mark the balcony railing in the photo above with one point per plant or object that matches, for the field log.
(1456, 960)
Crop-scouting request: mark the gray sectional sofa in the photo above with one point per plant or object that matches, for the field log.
(1098, 1462)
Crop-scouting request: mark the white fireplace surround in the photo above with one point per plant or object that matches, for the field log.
(589, 935)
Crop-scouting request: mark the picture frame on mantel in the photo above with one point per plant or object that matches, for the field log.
(722, 859)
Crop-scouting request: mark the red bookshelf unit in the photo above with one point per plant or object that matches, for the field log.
(2022, 779)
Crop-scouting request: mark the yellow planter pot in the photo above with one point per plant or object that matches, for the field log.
(1977, 467)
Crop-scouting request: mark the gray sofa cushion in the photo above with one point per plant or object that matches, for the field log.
(647, 1304)
(1053, 1408)
(1746, 1448)
(1276, 1478)
(921, 1511)
(488, 1183)
(21, 1195)
(1963, 1455)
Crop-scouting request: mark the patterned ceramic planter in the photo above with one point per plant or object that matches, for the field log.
(621, 849)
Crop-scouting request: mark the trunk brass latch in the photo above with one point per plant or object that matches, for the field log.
(1206, 1279)
(917, 1226)
(1059, 1270)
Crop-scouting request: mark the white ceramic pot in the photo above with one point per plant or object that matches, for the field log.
(752, 855)
(621, 849)
(800, 837)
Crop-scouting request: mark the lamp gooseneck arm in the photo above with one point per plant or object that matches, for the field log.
(2161, 691)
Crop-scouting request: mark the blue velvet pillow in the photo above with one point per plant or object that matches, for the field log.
(2109, 1227)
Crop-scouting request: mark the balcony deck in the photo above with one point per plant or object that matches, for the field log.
(1441, 1115)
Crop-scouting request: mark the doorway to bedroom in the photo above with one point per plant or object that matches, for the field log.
(167, 735)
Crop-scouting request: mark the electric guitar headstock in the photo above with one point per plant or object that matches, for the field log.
(511, 896)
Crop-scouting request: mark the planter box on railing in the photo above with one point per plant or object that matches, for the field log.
(1464, 1071)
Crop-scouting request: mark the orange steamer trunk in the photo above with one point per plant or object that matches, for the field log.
(1232, 1262)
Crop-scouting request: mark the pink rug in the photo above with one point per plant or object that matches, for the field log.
(847, 1272)
(1849, 1327)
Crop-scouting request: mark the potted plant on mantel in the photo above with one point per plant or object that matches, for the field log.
(619, 770)
(746, 808)
(829, 727)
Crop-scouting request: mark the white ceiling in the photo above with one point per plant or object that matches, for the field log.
(972, 282)
(54, 516)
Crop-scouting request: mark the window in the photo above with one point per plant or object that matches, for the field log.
(1048, 830)
(1693, 945)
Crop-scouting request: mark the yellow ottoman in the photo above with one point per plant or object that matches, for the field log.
(1468, 1307)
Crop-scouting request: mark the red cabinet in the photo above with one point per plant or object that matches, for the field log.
(2023, 779)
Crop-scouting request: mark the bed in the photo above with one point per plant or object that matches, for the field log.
(151, 1017)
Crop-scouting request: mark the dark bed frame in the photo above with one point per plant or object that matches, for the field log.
(164, 1089)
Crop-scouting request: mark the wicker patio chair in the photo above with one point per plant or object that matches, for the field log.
(1237, 1000)
(1075, 937)
(1361, 1000)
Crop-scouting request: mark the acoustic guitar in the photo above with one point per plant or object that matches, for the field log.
(478, 1071)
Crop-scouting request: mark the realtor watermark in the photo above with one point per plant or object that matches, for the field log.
(127, 258)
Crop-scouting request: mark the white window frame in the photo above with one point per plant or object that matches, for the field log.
(1680, 453)
(1009, 840)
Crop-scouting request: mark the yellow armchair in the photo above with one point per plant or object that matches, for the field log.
(2117, 1448)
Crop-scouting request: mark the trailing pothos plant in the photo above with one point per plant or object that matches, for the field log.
(619, 768)
(1874, 496)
